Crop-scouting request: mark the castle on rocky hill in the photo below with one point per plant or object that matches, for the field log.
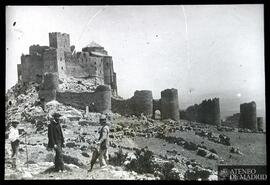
(61, 58)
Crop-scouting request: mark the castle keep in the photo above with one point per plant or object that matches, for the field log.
(60, 58)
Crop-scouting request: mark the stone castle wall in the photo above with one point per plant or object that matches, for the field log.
(260, 124)
(59, 40)
(114, 85)
(143, 103)
(19, 72)
(98, 101)
(37, 49)
(81, 65)
(48, 87)
(169, 104)
(123, 107)
(207, 112)
(50, 61)
(31, 67)
(248, 116)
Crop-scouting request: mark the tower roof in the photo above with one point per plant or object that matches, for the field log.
(98, 54)
(94, 44)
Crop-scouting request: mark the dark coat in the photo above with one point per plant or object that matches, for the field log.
(104, 136)
(55, 135)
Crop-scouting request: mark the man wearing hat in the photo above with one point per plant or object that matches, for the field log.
(14, 138)
(103, 143)
(56, 140)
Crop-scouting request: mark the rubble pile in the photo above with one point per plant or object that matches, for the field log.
(217, 138)
(143, 127)
(201, 150)
(24, 101)
(143, 161)
(226, 129)
(79, 85)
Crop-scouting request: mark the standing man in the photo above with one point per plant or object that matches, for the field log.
(56, 140)
(14, 138)
(103, 143)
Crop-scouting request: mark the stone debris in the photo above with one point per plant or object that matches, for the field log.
(236, 150)
(199, 173)
(217, 138)
(206, 153)
(72, 84)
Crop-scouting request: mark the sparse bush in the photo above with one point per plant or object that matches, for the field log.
(118, 158)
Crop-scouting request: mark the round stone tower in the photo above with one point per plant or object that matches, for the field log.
(260, 124)
(102, 99)
(143, 103)
(169, 104)
(216, 112)
(48, 87)
(50, 81)
(248, 117)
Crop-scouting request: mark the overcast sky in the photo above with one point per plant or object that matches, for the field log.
(208, 50)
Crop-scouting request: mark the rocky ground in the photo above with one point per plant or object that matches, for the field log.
(140, 148)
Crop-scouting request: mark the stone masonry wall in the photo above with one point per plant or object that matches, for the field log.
(50, 61)
(100, 99)
(143, 103)
(169, 104)
(248, 116)
(207, 112)
(48, 87)
(81, 65)
(19, 72)
(59, 40)
(123, 107)
(37, 49)
(31, 66)
(260, 124)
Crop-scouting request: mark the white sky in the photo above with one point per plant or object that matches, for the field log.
(150, 47)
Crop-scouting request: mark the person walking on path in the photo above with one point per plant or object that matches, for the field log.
(103, 143)
(56, 140)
